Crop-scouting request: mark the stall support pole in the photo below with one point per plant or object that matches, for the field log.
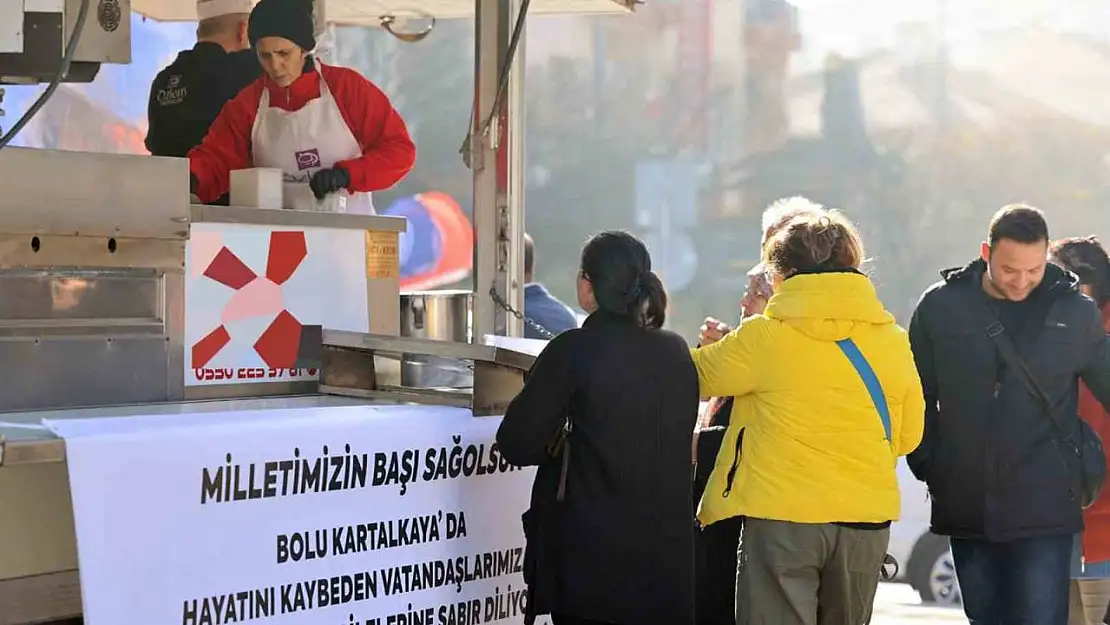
(497, 162)
(325, 53)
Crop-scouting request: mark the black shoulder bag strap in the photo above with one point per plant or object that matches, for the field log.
(564, 459)
(1017, 364)
(559, 447)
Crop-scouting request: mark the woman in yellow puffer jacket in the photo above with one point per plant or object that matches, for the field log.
(830, 398)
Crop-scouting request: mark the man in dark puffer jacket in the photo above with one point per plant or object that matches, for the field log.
(1000, 486)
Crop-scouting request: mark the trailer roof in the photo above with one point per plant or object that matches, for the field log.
(369, 12)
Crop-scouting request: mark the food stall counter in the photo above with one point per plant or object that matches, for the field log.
(398, 490)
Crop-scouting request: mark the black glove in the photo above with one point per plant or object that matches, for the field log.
(326, 181)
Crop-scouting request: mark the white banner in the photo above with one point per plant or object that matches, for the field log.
(368, 515)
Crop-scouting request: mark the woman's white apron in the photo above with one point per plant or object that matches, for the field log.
(302, 142)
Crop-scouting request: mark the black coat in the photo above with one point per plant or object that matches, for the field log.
(188, 95)
(989, 454)
(716, 544)
(620, 547)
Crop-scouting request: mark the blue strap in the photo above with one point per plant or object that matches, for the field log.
(870, 380)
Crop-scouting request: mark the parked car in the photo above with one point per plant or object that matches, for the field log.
(924, 559)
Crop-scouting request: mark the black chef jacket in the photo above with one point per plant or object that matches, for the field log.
(187, 96)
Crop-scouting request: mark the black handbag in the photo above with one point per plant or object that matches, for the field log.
(540, 526)
(1082, 454)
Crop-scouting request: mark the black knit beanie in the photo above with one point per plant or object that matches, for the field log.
(288, 19)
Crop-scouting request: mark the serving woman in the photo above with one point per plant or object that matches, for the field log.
(325, 127)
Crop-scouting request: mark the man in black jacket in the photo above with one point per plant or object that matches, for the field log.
(1000, 486)
(189, 93)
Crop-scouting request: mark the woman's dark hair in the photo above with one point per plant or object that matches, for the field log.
(618, 266)
(1086, 258)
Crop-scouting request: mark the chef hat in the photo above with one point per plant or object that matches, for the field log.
(208, 9)
(288, 19)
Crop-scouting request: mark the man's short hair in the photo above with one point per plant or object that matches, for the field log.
(529, 253)
(1018, 222)
(782, 211)
(220, 25)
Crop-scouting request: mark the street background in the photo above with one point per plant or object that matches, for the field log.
(898, 604)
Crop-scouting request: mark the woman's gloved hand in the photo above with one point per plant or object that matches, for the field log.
(329, 180)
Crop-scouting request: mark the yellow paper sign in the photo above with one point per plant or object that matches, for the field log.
(382, 255)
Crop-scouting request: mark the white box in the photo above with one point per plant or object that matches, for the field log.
(259, 187)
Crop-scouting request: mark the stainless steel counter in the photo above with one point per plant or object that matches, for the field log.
(95, 291)
(26, 426)
(291, 218)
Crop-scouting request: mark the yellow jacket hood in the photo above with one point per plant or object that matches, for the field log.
(814, 448)
(828, 306)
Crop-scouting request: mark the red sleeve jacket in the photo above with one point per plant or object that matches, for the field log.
(388, 152)
(1096, 519)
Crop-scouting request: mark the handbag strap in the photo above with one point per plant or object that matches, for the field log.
(564, 462)
(1017, 364)
(870, 380)
(563, 447)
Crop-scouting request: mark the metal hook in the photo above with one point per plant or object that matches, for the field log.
(387, 22)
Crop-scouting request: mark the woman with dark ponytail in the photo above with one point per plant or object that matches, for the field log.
(607, 414)
(616, 278)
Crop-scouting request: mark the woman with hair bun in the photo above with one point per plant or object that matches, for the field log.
(833, 400)
(607, 414)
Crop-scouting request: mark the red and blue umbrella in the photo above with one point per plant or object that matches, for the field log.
(437, 247)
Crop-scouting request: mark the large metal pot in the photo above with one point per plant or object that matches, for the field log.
(442, 316)
(439, 315)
